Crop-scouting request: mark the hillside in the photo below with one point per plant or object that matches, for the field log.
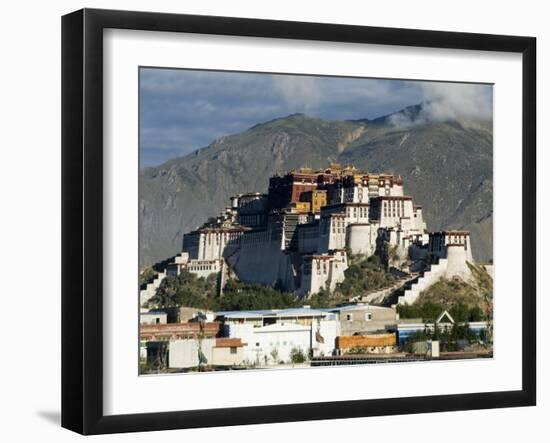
(446, 166)
(457, 296)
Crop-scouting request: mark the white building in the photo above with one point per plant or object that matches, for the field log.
(273, 343)
(201, 268)
(190, 352)
(440, 242)
(275, 239)
(153, 317)
(270, 336)
(362, 238)
(210, 243)
(323, 271)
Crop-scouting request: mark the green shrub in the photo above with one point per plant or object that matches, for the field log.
(245, 296)
(189, 290)
(427, 311)
(364, 275)
(297, 355)
(186, 290)
(448, 338)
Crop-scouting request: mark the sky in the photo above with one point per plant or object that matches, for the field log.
(183, 110)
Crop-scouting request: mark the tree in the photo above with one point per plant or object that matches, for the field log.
(427, 311)
(297, 355)
(245, 296)
(476, 314)
(274, 355)
(159, 362)
(322, 299)
(164, 296)
(460, 312)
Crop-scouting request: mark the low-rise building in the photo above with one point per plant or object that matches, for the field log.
(270, 336)
(361, 318)
(153, 317)
(185, 314)
(198, 315)
(178, 345)
(367, 344)
(190, 352)
(228, 352)
(174, 331)
(214, 352)
(272, 344)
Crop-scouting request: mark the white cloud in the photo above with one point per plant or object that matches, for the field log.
(303, 93)
(452, 101)
(449, 101)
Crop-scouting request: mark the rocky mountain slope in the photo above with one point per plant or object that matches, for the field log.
(446, 167)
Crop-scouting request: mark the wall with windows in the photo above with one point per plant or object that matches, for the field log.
(364, 318)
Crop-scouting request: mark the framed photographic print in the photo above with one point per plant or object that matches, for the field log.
(269, 221)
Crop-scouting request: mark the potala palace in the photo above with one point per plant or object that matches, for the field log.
(299, 235)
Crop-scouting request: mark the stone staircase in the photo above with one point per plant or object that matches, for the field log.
(378, 297)
(427, 279)
(149, 291)
(385, 296)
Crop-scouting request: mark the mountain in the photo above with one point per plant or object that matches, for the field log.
(446, 166)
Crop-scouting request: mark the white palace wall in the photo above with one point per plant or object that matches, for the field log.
(262, 260)
(457, 262)
(362, 238)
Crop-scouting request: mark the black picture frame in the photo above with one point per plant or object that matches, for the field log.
(82, 218)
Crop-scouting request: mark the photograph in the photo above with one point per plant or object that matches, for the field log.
(299, 205)
(291, 221)
(275, 222)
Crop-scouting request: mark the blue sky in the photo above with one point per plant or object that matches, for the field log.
(182, 110)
